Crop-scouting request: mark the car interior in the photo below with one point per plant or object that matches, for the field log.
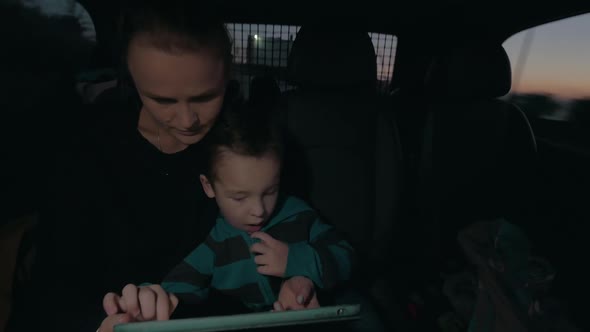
(406, 128)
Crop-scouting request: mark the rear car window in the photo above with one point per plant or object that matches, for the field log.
(263, 49)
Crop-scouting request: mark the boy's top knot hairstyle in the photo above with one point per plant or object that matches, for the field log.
(245, 130)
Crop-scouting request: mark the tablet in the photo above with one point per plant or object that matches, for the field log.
(301, 318)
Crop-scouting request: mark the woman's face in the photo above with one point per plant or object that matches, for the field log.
(182, 90)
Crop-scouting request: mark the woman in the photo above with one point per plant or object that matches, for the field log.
(130, 170)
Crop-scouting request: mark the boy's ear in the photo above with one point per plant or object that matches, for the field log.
(207, 186)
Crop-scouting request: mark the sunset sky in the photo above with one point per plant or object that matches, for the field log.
(558, 61)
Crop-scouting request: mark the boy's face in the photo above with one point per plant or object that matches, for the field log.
(245, 188)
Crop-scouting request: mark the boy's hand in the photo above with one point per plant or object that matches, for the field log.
(272, 255)
(296, 293)
(141, 303)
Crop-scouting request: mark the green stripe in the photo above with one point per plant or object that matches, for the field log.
(320, 229)
(249, 294)
(201, 259)
(235, 275)
(303, 260)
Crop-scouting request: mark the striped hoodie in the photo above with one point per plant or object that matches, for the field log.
(224, 261)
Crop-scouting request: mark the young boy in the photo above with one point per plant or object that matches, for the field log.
(261, 236)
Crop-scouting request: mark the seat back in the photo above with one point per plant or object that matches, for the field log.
(264, 91)
(478, 152)
(344, 151)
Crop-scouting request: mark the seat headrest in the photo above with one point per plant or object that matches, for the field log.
(327, 57)
(473, 71)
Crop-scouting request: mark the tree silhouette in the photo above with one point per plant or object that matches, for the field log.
(580, 109)
(535, 105)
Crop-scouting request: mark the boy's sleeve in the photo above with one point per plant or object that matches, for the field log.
(326, 259)
(190, 279)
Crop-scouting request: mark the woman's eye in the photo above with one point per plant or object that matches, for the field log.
(203, 98)
(164, 101)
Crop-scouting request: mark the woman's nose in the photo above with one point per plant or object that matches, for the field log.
(187, 117)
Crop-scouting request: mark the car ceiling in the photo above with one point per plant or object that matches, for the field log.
(503, 18)
(429, 22)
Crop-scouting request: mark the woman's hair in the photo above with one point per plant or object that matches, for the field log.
(244, 130)
(176, 26)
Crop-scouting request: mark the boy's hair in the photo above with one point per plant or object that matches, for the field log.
(245, 130)
(176, 25)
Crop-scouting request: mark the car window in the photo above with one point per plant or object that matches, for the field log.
(551, 75)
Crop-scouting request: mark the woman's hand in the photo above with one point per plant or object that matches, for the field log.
(137, 304)
(108, 324)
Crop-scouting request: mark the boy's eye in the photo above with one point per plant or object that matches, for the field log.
(271, 191)
(238, 199)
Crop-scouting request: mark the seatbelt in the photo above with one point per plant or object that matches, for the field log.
(427, 204)
(387, 164)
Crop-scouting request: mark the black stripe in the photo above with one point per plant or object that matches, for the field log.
(329, 265)
(294, 231)
(189, 298)
(229, 251)
(249, 293)
(331, 236)
(215, 246)
(183, 272)
(275, 284)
